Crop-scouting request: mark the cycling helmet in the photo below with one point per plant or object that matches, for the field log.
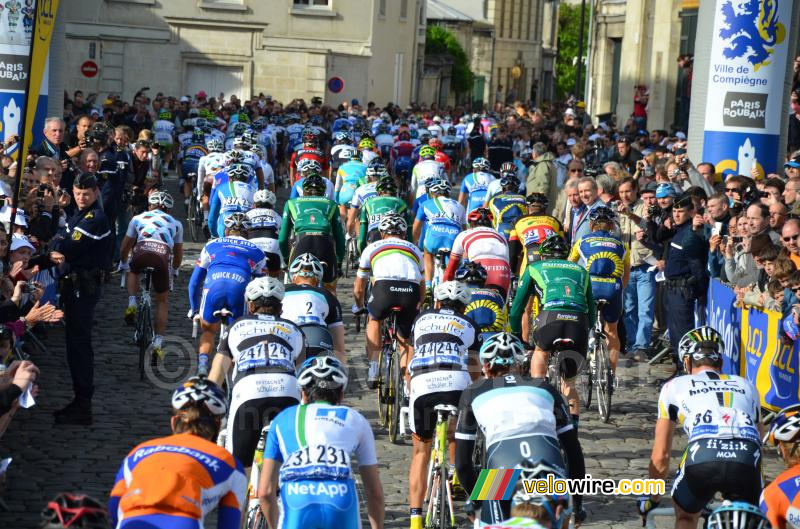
(343, 137)
(508, 168)
(472, 273)
(502, 349)
(324, 372)
(540, 470)
(239, 129)
(258, 150)
(264, 196)
(554, 247)
(366, 143)
(481, 164)
(386, 185)
(393, 223)
(238, 172)
(737, 515)
(240, 143)
(165, 114)
(234, 156)
(383, 128)
(309, 136)
(453, 291)
(237, 221)
(702, 342)
(202, 124)
(260, 123)
(440, 187)
(427, 153)
(250, 137)
(319, 340)
(786, 425)
(74, 511)
(350, 153)
(537, 199)
(602, 214)
(264, 288)
(162, 199)
(306, 167)
(244, 117)
(509, 181)
(436, 144)
(215, 145)
(198, 136)
(306, 265)
(313, 185)
(203, 391)
(206, 114)
(480, 217)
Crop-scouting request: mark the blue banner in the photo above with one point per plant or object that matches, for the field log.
(725, 318)
(735, 153)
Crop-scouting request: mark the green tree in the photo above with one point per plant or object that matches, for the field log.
(439, 41)
(569, 26)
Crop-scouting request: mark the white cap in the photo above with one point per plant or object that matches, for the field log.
(184, 99)
(593, 137)
(569, 112)
(20, 241)
(571, 142)
(680, 135)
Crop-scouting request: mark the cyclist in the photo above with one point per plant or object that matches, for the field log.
(427, 169)
(441, 157)
(260, 351)
(375, 171)
(384, 141)
(476, 184)
(349, 176)
(309, 151)
(305, 168)
(189, 159)
(314, 219)
(368, 152)
(264, 225)
(443, 219)
(221, 274)
(487, 307)
(375, 208)
(566, 310)
(507, 206)
(343, 141)
(437, 374)
(262, 166)
(208, 166)
(156, 239)
(395, 267)
(482, 244)
(780, 500)
(607, 259)
(401, 158)
(164, 135)
(307, 303)
(236, 196)
(318, 495)
(721, 417)
(530, 230)
(521, 418)
(533, 510)
(507, 169)
(176, 481)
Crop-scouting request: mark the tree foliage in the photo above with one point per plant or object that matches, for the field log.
(569, 26)
(439, 41)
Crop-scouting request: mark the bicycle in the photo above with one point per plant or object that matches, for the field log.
(363, 312)
(440, 513)
(145, 332)
(351, 261)
(599, 372)
(390, 379)
(255, 518)
(194, 212)
(439, 267)
(554, 369)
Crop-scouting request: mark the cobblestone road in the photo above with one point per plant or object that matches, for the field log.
(49, 459)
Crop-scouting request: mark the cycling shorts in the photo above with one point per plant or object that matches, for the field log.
(498, 274)
(345, 195)
(422, 419)
(160, 521)
(272, 250)
(322, 247)
(387, 294)
(155, 255)
(551, 325)
(731, 467)
(610, 291)
(319, 504)
(438, 236)
(188, 165)
(219, 294)
(256, 400)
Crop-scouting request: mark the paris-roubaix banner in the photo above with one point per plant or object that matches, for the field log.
(746, 77)
(19, 61)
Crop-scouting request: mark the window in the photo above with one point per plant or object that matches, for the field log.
(321, 3)
(486, 9)
(403, 9)
(382, 8)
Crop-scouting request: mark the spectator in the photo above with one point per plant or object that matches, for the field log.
(777, 216)
(719, 214)
(606, 188)
(542, 174)
(758, 222)
(501, 149)
(773, 190)
(625, 155)
(641, 97)
(476, 142)
(708, 172)
(78, 141)
(53, 144)
(579, 223)
(790, 235)
(89, 161)
(793, 142)
(792, 167)
(13, 382)
(790, 190)
(758, 295)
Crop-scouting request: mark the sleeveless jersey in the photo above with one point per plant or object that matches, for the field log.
(391, 258)
(307, 305)
(602, 254)
(156, 226)
(442, 338)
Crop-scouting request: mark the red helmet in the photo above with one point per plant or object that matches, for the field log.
(480, 216)
(436, 143)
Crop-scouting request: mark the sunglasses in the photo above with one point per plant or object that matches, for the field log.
(791, 237)
(576, 170)
(732, 190)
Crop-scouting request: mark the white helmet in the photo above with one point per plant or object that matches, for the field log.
(264, 196)
(202, 391)
(452, 290)
(264, 287)
(325, 372)
(306, 265)
(502, 348)
(161, 198)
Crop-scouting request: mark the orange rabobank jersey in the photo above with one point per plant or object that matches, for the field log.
(180, 475)
(780, 501)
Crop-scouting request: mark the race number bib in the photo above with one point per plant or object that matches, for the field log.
(316, 462)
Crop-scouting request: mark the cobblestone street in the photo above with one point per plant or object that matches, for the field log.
(48, 460)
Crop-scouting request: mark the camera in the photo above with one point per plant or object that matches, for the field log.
(592, 170)
(29, 286)
(41, 190)
(98, 133)
(654, 212)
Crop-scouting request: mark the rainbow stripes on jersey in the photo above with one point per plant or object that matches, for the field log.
(494, 484)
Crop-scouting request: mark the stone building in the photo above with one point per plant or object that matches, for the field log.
(285, 48)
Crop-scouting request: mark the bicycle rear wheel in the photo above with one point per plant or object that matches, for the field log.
(587, 380)
(442, 501)
(144, 336)
(605, 381)
(384, 366)
(395, 397)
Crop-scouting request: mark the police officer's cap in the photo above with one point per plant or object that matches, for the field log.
(85, 181)
(685, 201)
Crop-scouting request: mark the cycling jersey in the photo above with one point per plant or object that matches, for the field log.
(373, 211)
(207, 167)
(295, 136)
(260, 344)
(221, 178)
(169, 481)
(475, 185)
(362, 193)
(309, 305)
(297, 189)
(402, 149)
(349, 177)
(494, 188)
(164, 132)
(265, 224)
(602, 254)
(444, 218)
(424, 171)
(443, 159)
(529, 231)
(506, 208)
(487, 308)
(391, 258)
(194, 151)
(442, 339)
(156, 226)
(780, 501)
(314, 444)
(487, 247)
(312, 215)
(234, 197)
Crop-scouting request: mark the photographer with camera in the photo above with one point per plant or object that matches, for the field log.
(110, 177)
(144, 165)
(625, 155)
(46, 201)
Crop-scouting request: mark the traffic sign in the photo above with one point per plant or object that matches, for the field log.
(89, 69)
(335, 84)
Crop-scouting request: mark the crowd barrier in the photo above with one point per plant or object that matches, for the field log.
(753, 348)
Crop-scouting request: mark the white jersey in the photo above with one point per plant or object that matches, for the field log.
(251, 160)
(164, 132)
(362, 194)
(424, 171)
(384, 140)
(710, 405)
(308, 305)
(480, 243)
(264, 218)
(367, 156)
(391, 258)
(207, 167)
(156, 226)
(261, 342)
(442, 337)
(492, 190)
(269, 174)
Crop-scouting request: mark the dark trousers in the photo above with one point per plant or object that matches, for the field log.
(679, 313)
(79, 319)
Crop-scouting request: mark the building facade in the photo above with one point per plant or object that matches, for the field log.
(286, 48)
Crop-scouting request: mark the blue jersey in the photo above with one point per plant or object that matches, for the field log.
(227, 199)
(195, 151)
(221, 178)
(602, 254)
(442, 211)
(487, 308)
(475, 186)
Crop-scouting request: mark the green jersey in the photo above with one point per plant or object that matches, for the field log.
(558, 284)
(374, 209)
(311, 216)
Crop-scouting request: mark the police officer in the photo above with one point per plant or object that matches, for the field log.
(86, 249)
(685, 272)
(111, 175)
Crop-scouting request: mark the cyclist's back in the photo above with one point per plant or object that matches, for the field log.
(606, 258)
(506, 208)
(487, 308)
(310, 305)
(422, 172)
(529, 231)
(349, 177)
(373, 211)
(235, 197)
(475, 185)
